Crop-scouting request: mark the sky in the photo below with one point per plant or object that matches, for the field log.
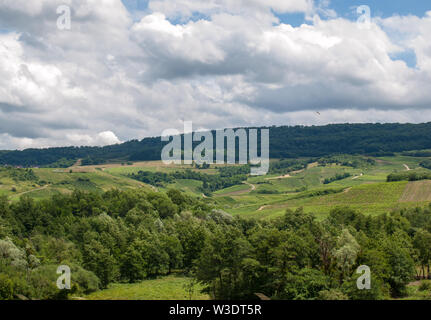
(133, 68)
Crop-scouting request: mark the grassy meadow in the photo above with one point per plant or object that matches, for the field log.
(164, 288)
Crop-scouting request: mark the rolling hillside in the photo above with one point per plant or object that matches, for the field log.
(285, 142)
(364, 187)
(170, 226)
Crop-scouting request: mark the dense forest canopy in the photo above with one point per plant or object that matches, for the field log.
(135, 235)
(285, 142)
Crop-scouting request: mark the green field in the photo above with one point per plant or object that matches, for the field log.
(166, 288)
(318, 188)
(366, 190)
(264, 197)
(54, 181)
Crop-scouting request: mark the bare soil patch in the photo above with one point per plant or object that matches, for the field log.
(417, 191)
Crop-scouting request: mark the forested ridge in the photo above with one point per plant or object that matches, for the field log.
(135, 235)
(285, 142)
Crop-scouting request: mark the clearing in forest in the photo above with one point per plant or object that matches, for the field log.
(164, 288)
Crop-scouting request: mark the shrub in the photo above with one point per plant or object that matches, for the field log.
(305, 285)
(6, 288)
(425, 286)
(332, 294)
(378, 290)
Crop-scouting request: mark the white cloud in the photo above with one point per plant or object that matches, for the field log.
(111, 78)
(101, 139)
(107, 138)
(256, 8)
(71, 139)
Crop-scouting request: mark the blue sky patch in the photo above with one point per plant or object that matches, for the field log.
(136, 5)
(381, 8)
(294, 19)
(408, 56)
(344, 8)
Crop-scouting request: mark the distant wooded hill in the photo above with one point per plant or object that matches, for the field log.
(285, 142)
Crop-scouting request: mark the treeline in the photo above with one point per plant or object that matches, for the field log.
(134, 235)
(409, 176)
(347, 161)
(417, 153)
(366, 139)
(296, 257)
(285, 142)
(145, 150)
(317, 193)
(116, 236)
(61, 163)
(230, 171)
(19, 174)
(210, 182)
(337, 177)
(287, 165)
(426, 164)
